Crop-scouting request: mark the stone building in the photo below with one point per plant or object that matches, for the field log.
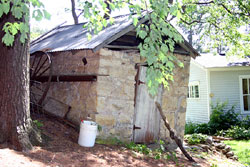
(103, 79)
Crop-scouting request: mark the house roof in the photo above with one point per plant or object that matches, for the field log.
(74, 37)
(217, 61)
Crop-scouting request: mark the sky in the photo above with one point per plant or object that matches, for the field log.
(58, 15)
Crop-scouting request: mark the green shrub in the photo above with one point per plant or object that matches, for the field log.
(236, 132)
(196, 138)
(203, 128)
(222, 117)
(190, 128)
(245, 122)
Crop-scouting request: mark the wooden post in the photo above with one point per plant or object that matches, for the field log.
(172, 133)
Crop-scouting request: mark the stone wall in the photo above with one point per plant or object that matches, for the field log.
(115, 93)
(177, 92)
(110, 100)
(81, 96)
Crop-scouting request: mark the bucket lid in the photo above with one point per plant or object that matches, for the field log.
(89, 122)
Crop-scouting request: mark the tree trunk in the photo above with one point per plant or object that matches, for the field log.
(73, 5)
(14, 93)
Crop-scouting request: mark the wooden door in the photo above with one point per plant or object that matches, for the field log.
(146, 118)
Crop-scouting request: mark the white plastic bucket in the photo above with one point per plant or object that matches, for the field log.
(88, 132)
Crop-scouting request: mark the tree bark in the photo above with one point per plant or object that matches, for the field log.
(15, 121)
(73, 6)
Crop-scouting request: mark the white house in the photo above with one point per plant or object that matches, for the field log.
(217, 78)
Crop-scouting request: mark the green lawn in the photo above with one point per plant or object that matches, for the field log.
(242, 149)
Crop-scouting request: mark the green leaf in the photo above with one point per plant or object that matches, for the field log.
(17, 12)
(164, 48)
(37, 14)
(135, 21)
(165, 31)
(89, 36)
(112, 6)
(181, 64)
(1, 10)
(104, 22)
(23, 37)
(14, 28)
(24, 28)
(6, 7)
(170, 64)
(8, 39)
(46, 14)
(142, 34)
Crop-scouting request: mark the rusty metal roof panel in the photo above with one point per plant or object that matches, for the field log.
(72, 37)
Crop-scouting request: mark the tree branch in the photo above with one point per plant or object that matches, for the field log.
(74, 11)
(172, 132)
(192, 22)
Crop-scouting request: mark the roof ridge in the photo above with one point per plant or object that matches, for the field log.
(119, 16)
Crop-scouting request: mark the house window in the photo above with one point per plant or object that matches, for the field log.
(245, 93)
(193, 90)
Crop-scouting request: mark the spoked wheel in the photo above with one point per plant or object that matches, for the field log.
(40, 77)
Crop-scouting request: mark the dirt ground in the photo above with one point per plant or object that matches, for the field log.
(63, 151)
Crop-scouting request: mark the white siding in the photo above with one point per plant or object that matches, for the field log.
(197, 109)
(225, 86)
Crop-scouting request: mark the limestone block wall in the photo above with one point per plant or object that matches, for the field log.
(116, 92)
(170, 98)
(81, 96)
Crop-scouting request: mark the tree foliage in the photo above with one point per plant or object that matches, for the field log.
(151, 19)
(20, 9)
(223, 22)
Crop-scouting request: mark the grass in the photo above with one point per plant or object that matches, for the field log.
(242, 149)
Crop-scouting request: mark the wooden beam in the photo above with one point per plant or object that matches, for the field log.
(181, 52)
(121, 47)
(131, 33)
(66, 78)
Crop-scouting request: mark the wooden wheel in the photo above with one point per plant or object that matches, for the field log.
(40, 66)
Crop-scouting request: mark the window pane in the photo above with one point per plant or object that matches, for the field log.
(246, 100)
(196, 91)
(244, 86)
(193, 92)
(248, 86)
(188, 91)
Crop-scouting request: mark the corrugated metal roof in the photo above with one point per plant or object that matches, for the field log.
(216, 61)
(73, 37)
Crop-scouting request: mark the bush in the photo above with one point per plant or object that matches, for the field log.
(190, 128)
(203, 128)
(245, 122)
(236, 132)
(222, 117)
(196, 138)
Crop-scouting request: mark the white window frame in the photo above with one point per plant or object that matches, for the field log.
(241, 77)
(194, 83)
